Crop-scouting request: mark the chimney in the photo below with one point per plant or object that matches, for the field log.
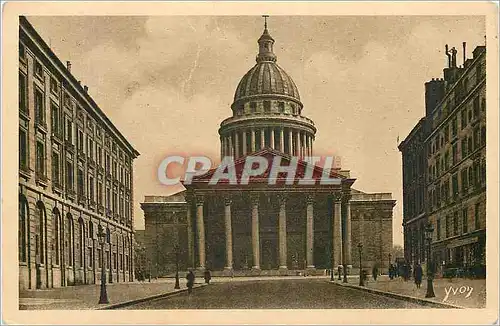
(465, 53)
(448, 55)
(85, 88)
(68, 65)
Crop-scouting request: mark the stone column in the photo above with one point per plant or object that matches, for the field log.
(337, 231)
(252, 135)
(201, 232)
(190, 233)
(229, 234)
(222, 147)
(310, 231)
(255, 231)
(262, 138)
(236, 145)
(304, 145)
(244, 143)
(297, 143)
(347, 220)
(271, 137)
(290, 142)
(311, 145)
(231, 148)
(282, 140)
(282, 233)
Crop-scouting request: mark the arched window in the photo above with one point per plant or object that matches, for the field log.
(23, 227)
(57, 232)
(68, 240)
(81, 241)
(40, 234)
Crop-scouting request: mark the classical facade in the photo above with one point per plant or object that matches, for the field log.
(261, 228)
(75, 173)
(446, 152)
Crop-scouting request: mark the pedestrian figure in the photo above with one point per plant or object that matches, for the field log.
(190, 281)
(375, 272)
(207, 276)
(339, 270)
(418, 275)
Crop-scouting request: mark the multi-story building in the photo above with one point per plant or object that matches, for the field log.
(453, 135)
(75, 174)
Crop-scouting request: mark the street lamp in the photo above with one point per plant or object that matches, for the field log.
(176, 248)
(430, 272)
(104, 295)
(361, 278)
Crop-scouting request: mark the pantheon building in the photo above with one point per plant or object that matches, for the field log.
(261, 228)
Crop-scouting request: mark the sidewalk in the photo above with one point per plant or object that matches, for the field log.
(87, 296)
(458, 290)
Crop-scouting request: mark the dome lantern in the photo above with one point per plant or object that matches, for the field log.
(266, 43)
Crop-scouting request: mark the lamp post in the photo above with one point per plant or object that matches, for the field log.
(176, 248)
(430, 271)
(104, 295)
(361, 278)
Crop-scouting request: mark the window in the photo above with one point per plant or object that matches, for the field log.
(67, 100)
(91, 230)
(115, 203)
(454, 126)
(470, 148)
(477, 137)
(80, 141)
(463, 148)
(39, 107)
(446, 133)
(56, 173)
(38, 69)
(454, 154)
(455, 223)
(438, 229)
(281, 106)
(81, 241)
(108, 199)
(80, 184)
(463, 122)
(57, 232)
(23, 93)
(23, 213)
(448, 225)
(115, 261)
(114, 169)
(99, 193)
(69, 130)
(54, 113)
(483, 135)
(69, 175)
(476, 216)
(267, 106)
(464, 179)
(99, 155)
(22, 52)
(54, 86)
(99, 255)
(91, 188)
(40, 158)
(253, 107)
(69, 240)
(478, 73)
(465, 221)
(454, 184)
(475, 107)
(23, 149)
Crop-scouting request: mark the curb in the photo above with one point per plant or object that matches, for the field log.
(141, 300)
(426, 302)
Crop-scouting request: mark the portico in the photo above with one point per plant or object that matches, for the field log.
(260, 226)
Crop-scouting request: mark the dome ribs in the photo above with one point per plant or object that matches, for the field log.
(267, 83)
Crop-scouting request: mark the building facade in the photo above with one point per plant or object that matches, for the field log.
(452, 143)
(75, 174)
(261, 228)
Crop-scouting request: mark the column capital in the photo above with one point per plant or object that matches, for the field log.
(254, 198)
(200, 199)
(310, 199)
(282, 198)
(346, 197)
(227, 200)
(337, 196)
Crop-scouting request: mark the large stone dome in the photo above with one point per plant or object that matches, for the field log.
(266, 77)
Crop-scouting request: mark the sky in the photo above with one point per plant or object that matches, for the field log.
(166, 82)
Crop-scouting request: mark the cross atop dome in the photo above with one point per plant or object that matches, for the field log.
(266, 45)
